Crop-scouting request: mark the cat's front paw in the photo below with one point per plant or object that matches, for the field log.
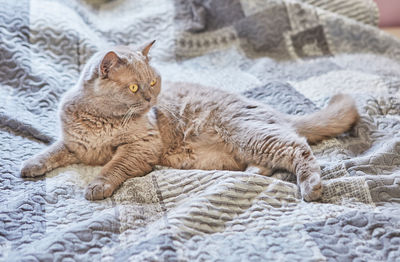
(33, 168)
(311, 188)
(99, 189)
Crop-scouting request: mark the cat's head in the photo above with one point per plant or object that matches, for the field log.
(124, 80)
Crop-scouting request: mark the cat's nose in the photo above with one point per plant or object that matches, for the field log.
(146, 94)
(147, 97)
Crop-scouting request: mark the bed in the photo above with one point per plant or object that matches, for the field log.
(293, 55)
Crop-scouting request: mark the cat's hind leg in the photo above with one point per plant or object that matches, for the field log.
(278, 147)
(300, 160)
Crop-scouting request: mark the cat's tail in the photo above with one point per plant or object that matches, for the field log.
(338, 117)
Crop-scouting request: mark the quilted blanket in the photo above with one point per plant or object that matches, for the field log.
(292, 54)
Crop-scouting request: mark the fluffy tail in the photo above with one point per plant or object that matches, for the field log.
(338, 117)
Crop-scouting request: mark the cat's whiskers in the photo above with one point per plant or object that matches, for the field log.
(128, 117)
(125, 116)
(129, 113)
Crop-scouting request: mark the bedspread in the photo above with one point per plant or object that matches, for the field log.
(293, 55)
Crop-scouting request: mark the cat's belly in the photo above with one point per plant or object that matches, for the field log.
(201, 156)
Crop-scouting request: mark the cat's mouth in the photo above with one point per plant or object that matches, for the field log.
(133, 109)
(136, 109)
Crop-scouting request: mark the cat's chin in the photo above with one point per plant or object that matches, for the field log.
(143, 110)
(148, 106)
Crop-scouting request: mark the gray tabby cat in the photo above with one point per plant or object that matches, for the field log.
(116, 116)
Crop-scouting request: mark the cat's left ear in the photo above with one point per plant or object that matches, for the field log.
(146, 49)
(110, 60)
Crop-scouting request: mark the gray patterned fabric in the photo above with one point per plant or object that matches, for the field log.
(291, 54)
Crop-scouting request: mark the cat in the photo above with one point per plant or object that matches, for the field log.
(118, 116)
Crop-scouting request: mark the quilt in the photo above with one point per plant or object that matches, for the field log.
(291, 54)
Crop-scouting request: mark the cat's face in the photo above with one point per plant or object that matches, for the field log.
(126, 78)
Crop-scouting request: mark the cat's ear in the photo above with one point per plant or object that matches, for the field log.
(146, 49)
(110, 60)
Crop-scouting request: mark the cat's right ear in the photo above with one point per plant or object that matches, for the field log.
(110, 60)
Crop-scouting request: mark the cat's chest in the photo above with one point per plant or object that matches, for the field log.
(95, 143)
(94, 147)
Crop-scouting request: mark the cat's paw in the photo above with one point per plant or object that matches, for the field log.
(33, 168)
(99, 189)
(311, 188)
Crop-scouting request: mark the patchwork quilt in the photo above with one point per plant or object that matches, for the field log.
(292, 54)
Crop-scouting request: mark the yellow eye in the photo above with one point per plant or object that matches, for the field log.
(153, 82)
(133, 87)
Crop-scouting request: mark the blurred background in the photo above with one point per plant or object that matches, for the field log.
(389, 19)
